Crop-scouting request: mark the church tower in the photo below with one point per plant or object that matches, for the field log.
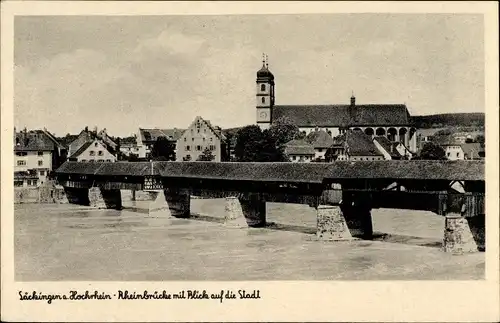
(265, 95)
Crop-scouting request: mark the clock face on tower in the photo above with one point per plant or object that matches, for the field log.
(263, 115)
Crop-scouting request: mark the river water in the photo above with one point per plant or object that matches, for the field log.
(74, 243)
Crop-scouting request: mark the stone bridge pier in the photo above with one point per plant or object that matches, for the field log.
(464, 227)
(105, 198)
(351, 219)
(171, 202)
(246, 210)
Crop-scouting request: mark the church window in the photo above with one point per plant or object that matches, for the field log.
(263, 100)
(262, 87)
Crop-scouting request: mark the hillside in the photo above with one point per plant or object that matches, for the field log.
(449, 120)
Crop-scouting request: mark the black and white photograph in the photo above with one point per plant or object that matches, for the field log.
(323, 147)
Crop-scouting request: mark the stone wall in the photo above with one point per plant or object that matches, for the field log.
(46, 193)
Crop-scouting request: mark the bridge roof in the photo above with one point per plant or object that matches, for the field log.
(288, 172)
(111, 169)
(262, 172)
(404, 169)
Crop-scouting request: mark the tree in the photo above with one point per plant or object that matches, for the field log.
(283, 130)
(431, 151)
(254, 145)
(206, 155)
(163, 149)
(480, 139)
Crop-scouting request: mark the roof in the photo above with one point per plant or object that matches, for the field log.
(264, 73)
(81, 149)
(343, 115)
(289, 172)
(34, 140)
(471, 150)
(87, 145)
(128, 141)
(151, 135)
(299, 147)
(389, 146)
(358, 143)
(25, 175)
(320, 139)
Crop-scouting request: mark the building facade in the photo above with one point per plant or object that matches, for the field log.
(146, 138)
(201, 135)
(93, 151)
(389, 120)
(36, 153)
(299, 151)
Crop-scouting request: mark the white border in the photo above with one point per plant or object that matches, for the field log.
(283, 301)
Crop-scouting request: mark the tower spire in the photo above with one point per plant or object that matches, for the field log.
(263, 59)
(267, 61)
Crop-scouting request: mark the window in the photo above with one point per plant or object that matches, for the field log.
(83, 160)
(211, 139)
(192, 139)
(204, 138)
(91, 160)
(40, 153)
(458, 154)
(448, 154)
(188, 148)
(262, 87)
(95, 145)
(42, 173)
(320, 150)
(263, 100)
(18, 183)
(92, 153)
(198, 147)
(100, 160)
(294, 157)
(21, 163)
(108, 160)
(100, 153)
(185, 139)
(22, 153)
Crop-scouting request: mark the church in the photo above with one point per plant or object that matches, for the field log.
(389, 120)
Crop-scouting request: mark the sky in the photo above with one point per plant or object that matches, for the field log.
(126, 72)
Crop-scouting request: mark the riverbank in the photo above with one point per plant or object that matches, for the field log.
(67, 242)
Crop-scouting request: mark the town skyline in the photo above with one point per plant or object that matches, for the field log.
(122, 73)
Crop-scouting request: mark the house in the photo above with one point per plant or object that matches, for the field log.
(198, 137)
(86, 136)
(128, 146)
(147, 138)
(473, 151)
(299, 151)
(93, 151)
(389, 120)
(36, 153)
(26, 179)
(391, 150)
(353, 145)
(453, 151)
(321, 141)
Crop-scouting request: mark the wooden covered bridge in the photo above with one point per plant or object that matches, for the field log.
(343, 192)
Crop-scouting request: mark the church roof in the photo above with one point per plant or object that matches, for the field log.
(343, 115)
(265, 73)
